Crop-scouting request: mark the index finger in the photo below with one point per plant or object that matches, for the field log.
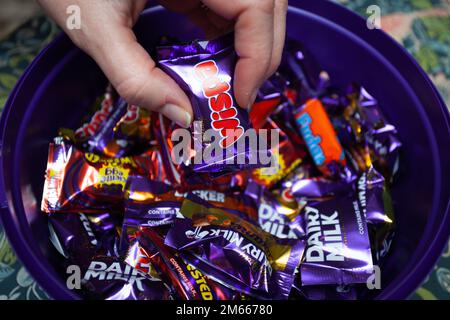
(253, 42)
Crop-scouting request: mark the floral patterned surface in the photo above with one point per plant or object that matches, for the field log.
(422, 26)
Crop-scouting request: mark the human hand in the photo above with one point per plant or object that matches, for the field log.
(106, 35)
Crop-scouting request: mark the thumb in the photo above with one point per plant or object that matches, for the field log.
(133, 73)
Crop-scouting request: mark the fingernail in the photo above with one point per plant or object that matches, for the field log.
(177, 114)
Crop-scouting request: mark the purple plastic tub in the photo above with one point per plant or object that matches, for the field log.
(59, 86)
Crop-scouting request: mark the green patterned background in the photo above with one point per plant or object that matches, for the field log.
(422, 26)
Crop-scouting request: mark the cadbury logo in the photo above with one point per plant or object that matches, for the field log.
(223, 114)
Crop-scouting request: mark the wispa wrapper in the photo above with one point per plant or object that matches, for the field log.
(337, 243)
(187, 282)
(234, 251)
(205, 70)
(116, 129)
(76, 181)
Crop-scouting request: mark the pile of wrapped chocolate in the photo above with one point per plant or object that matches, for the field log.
(143, 226)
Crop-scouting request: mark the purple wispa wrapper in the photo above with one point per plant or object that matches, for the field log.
(77, 235)
(338, 248)
(205, 70)
(277, 216)
(109, 278)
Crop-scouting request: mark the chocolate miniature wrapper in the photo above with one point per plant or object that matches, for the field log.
(320, 187)
(87, 182)
(109, 278)
(89, 241)
(235, 248)
(143, 225)
(316, 129)
(303, 72)
(186, 280)
(337, 243)
(285, 158)
(366, 134)
(116, 129)
(152, 203)
(374, 198)
(278, 215)
(77, 235)
(205, 70)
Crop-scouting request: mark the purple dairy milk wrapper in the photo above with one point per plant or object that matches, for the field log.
(205, 71)
(278, 215)
(109, 278)
(337, 243)
(90, 242)
(238, 251)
